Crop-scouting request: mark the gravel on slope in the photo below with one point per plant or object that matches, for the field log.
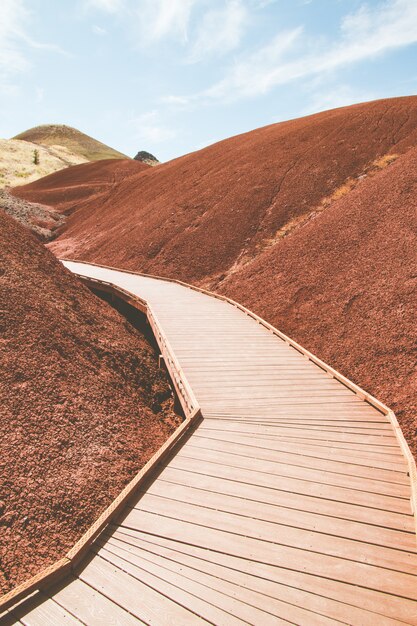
(83, 406)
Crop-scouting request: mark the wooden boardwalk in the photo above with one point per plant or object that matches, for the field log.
(288, 503)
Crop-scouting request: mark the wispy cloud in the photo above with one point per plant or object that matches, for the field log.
(219, 31)
(15, 41)
(13, 19)
(164, 18)
(335, 96)
(365, 34)
(98, 30)
(177, 100)
(257, 72)
(108, 6)
(148, 128)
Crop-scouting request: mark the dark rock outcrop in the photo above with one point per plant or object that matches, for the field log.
(146, 157)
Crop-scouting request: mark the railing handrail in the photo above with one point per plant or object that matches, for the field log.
(361, 393)
(67, 564)
(64, 566)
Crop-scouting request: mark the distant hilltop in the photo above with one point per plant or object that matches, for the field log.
(45, 149)
(146, 157)
(74, 140)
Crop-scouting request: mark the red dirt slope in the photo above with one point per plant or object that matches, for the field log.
(82, 406)
(88, 180)
(222, 217)
(345, 287)
(195, 217)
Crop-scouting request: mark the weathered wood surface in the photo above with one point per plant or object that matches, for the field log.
(290, 502)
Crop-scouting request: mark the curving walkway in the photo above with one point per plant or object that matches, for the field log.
(288, 503)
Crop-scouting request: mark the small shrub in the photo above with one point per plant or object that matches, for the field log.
(36, 157)
(385, 160)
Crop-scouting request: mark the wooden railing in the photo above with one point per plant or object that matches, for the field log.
(192, 410)
(65, 566)
(361, 393)
(182, 387)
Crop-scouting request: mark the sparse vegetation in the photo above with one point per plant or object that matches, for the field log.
(18, 163)
(340, 192)
(22, 174)
(84, 146)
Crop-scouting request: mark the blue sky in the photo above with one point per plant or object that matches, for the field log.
(172, 76)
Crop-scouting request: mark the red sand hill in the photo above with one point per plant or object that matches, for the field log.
(74, 184)
(345, 286)
(223, 217)
(83, 406)
(198, 215)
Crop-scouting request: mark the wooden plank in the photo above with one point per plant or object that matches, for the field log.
(334, 439)
(371, 460)
(315, 609)
(251, 607)
(42, 611)
(199, 599)
(354, 421)
(264, 452)
(90, 606)
(296, 486)
(384, 452)
(276, 533)
(316, 564)
(296, 518)
(135, 596)
(319, 506)
(339, 410)
(285, 580)
(282, 469)
(385, 436)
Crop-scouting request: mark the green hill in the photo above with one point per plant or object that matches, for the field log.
(72, 139)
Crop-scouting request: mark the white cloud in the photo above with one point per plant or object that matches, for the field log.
(363, 35)
(148, 128)
(220, 30)
(164, 18)
(98, 30)
(40, 93)
(337, 96)
(178, 100)
(108, 6)
(255, 74)
(13, 18)
(14, 41)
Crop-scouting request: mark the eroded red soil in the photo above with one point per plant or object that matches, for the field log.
(83, 406)
(345, 286)
(200, 216)
(312, 223)
(88, 180)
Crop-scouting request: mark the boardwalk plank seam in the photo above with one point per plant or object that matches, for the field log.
(278, 421)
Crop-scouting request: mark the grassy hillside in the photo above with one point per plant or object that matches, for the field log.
(74, 140)
(17, 166)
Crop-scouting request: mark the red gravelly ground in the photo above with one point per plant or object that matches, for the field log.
(83, 406)
(312, 223)
(79, 182)
(197, 217)
(345, 286)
